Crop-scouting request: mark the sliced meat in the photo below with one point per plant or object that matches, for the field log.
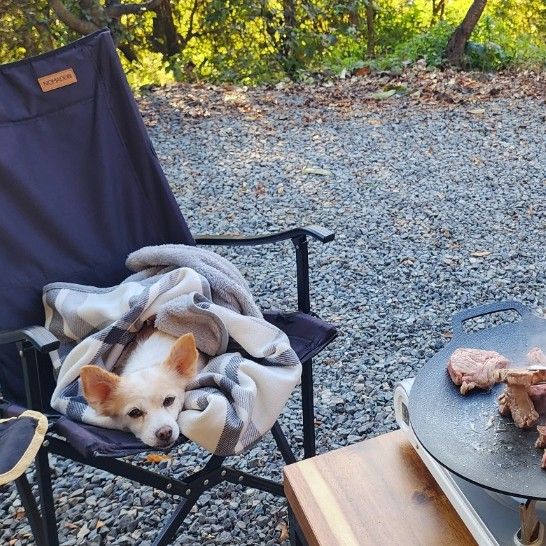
(515, 400)
(538, 397)
(541, 440)
(520, 376)
(536, 356)
(474, 368)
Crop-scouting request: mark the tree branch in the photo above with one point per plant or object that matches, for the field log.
(190, 34)
(70, 20)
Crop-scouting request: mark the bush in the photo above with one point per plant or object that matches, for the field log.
(488, 56)
(429, 46)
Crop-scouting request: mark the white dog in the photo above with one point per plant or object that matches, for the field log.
(148, 394)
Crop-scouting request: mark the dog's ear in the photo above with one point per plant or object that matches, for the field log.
(183, 357)
(98, 386)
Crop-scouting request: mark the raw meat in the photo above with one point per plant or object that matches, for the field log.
(515, 401)
(520, 376)
(523, 398)
(471, 368)
(536, 356)
(538, 397)
(541, 442)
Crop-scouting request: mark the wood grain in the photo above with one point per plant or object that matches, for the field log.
(377, 492)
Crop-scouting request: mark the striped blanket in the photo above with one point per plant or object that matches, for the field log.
(235, 399)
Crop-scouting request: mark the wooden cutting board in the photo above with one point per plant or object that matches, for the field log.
(377, 492)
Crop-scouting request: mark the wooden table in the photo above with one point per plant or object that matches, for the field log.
(377, 492)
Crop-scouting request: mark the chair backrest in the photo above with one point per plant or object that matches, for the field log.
(80, 184)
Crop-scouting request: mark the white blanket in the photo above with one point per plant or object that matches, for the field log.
(235, 400)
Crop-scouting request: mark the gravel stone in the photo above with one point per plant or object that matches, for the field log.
(417, 195)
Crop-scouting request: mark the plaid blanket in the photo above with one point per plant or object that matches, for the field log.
(234, 400)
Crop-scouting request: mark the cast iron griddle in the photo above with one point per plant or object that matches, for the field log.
(466, 434)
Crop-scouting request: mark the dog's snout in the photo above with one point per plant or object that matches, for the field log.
(164, 434)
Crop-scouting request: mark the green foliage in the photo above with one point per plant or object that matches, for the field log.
(486, 56)
(265, 41)
(429, 46)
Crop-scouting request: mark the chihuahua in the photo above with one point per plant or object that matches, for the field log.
(148, 394)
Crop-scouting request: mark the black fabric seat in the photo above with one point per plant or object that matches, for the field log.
(307, 334)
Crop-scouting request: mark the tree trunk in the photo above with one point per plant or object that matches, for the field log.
(370, 27)
(287, 51)
(165, 38)
(457, 42)
(289, 18)
(438, 8)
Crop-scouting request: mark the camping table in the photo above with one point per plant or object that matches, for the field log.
(377, 492)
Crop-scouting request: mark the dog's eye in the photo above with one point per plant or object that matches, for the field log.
(168, 401)
(135, 412)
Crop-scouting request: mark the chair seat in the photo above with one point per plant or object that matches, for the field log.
(308, 336)
(20, 439)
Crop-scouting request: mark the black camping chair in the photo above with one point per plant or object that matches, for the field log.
(81, 188)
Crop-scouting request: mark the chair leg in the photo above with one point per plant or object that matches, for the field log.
(282, 444)
(307, 402)
(168, 532)
(47, 505)
(31, 509)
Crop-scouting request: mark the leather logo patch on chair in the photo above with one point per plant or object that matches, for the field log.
(57, 79)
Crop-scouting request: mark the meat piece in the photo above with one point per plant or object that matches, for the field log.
(520, 376)
(515, 400)
(538, 397)
(541, 440)
(471, 368)
(536, 356)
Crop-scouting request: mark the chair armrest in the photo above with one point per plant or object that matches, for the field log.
(298, 236)
(40, 338)
(320, 233)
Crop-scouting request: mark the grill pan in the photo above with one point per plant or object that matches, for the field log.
(466, 434)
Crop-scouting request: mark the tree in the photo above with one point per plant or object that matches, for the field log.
(455, 47)
(370, 28)
(438, 9)
(92, 15)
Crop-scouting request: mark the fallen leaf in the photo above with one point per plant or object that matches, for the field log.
(382, 95)
(480, 253)
(157, 458)
(316, 170)
(364, 71)
(20, 514)
(99, 524)
(285, 535)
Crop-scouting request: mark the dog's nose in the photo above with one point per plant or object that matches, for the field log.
(164, 434)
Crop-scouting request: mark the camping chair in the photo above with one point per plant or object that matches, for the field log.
(81, 188)
(20, 440)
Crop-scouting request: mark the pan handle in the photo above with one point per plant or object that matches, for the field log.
(487, 309)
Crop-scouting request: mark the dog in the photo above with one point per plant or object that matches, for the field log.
(147, 394)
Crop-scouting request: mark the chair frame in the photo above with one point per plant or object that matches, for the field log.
(35, 340)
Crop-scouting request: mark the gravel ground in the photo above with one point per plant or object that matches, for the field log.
(435, 207)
